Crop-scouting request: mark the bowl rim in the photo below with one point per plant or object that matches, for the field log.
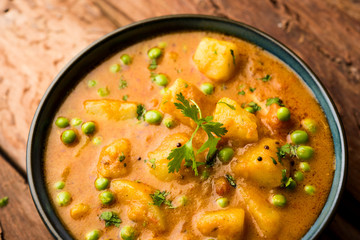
(336, 190)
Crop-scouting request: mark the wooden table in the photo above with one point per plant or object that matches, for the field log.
(38, 37)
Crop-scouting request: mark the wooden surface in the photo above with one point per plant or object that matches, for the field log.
(38, 37)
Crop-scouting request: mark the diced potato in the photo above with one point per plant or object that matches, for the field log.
(265, 215)
(114, 159)
(264, 172)
(169, 98)
(111, 109)
(241, 125)
(137, 196)
(79, 210)
(224, 224)
(216, 59)
(158, 162)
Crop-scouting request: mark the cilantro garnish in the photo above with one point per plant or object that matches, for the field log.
(111, 219)
(152, 161)
(152, 76)
(186, 152)
(4, 201)
(122, 84)
(273, 160)
(233, 56)
(286, 149)
(140, 111)
(121, 157)
(241, 92)
(275, 100)
(254, 106)
(252, 89)
(159, 197)
(229, 105)
(266, 78)
(153, 64)
(287, 182)
(284, 178)
(125, 97)
(231, 180)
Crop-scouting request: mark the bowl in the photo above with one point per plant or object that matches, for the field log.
(101, 49)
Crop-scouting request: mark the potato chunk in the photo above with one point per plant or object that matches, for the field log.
(216, 59)
(79, 210)
(257, 165)
(266, 216)
(111, 109)
(169, 98)
(137, 196)
(114, 159)
(158, 162)
(224, 224)
(241, 125)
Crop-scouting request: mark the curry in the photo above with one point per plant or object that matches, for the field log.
(191, 135)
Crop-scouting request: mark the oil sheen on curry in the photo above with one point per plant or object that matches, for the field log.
(191, 135)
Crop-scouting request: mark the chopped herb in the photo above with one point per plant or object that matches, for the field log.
(140, 111)
(266, 78)
(152, 161)
(153, 64)
(122, 84)
(159, 197)
(274, 161)
(233, 56)
(231, 180)
(122, 157)
(229, 105)
(103, 92)
(111, 219)
(4, 201)
(223, 87)
(284, 178)
(215, 52)
(152, 76)
(252, 89)
(290, 183)
(186, 151)
(241, 86)
(254, 106)
(241, 92)
(275, 100)
(125, 97)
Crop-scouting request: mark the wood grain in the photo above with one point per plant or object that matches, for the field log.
(38, 37)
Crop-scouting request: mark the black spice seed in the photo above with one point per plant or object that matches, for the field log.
(266, 147)
(139, 158)
(259, 159)
(178, 144)
(124, 164)
(277, 143)
(292, 163)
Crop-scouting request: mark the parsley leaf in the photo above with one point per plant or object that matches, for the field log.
(241, 92)
(275, 100)
(111, 219)
(123, 83)
(159, 197)
(229, 105)
(4, 201)
(231, 180)
(254, 106)
(140, 111)
(186, 152)
(266, 78)
(233, 56)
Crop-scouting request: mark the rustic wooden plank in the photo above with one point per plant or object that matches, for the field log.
(19, 219)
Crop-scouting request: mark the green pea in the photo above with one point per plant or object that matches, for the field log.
(88, 128)
(226, 154)
(62, 122)
(128, 233)
(161, 80)
(153, 117)
(279, 200)
(283, 114)
(309, 124)
(305, 152)
(304, 166)
(101, 183)
(68, 136)
(93, 235)
(250, 109)
(59, 185)
(154, 53)
(169, 122)
(205, 175)
(106, 197)
(222, 202)
(103, 92)
(115, 68)
(75, 122)
(63, 198)
(299, 176)
(92, 83)
(299, 137)
(207, 88)
(309, 189)
(126, 59)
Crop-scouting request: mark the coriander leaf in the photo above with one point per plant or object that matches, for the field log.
(266, 78)
(122, 84)
(4, 201)
(275, 100)
(231, 180)
(153, 64)
(215, 52)
(254, 106)
(229, 105)
(273, 160)
(189, 110)
(211, 143)
(233, 56)
(159, 197)
(121, 157)
(152, 76)
(241, 92)
(214, 127)
(125, 97)
(290, 183)
(177, 155)
(252, 89)
(284, 178)
(152, 161)
(111, 219)
(140, 111)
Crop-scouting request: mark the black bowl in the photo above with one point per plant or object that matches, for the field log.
(123, 37)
